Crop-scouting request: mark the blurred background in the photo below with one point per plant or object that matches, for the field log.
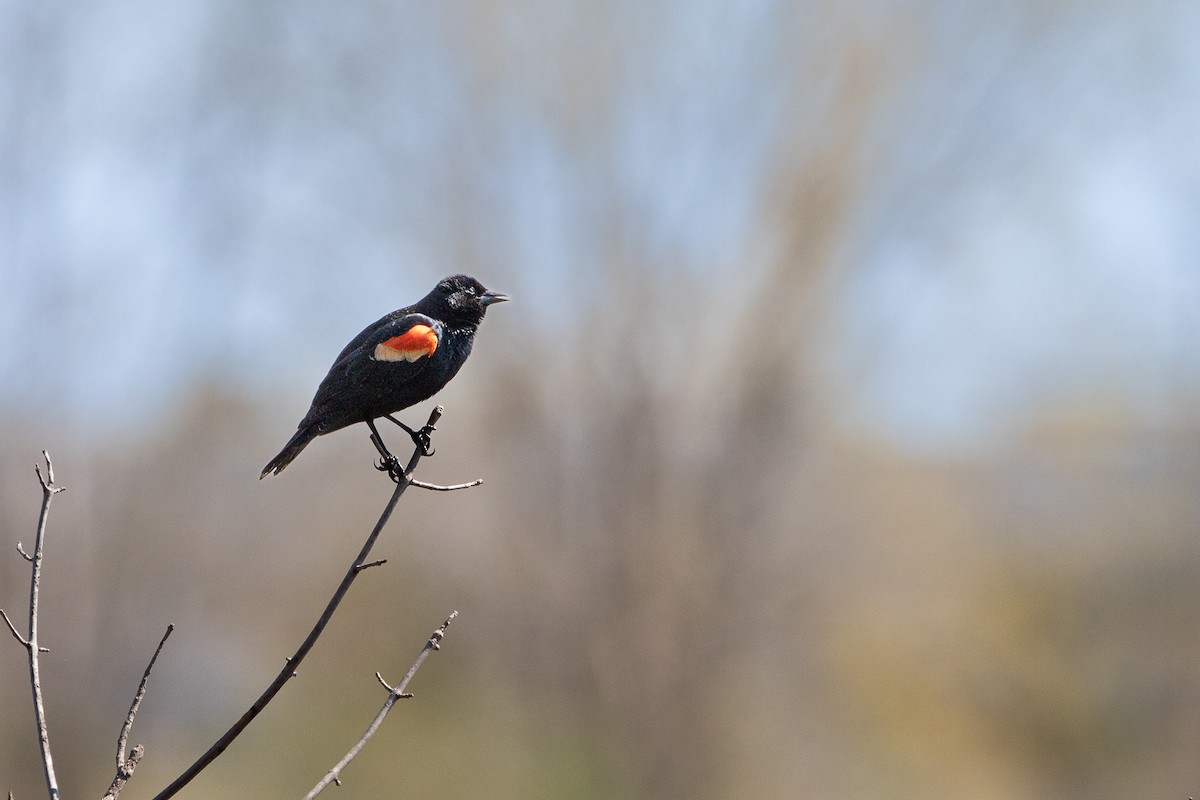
(842, 438)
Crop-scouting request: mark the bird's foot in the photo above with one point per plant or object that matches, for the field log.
(421, 438)
(391, 465)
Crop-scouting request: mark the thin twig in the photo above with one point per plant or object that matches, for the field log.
(394, 694)
(453, 488)
(13, 628)
(384, 683)
(294, 660)
(123, 738)
(126, 766)
(30, 641)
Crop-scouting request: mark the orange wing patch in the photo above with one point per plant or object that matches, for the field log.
(415, 343)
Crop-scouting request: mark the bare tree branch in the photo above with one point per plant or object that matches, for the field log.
(394, 694)
(126, 766)
(403, 480)
(30, 641)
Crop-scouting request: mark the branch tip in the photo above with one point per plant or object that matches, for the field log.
(384, 683)
(123, 737)
(13, 629)
(452, 488)
(47, 480)
(394, 694)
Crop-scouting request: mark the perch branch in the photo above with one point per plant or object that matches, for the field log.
(394, 694)
(218, 747)
(30, 641)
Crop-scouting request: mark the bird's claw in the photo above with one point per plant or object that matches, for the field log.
(421, 438)
(391, 465)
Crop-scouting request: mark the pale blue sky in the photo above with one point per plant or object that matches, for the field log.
(181, 182)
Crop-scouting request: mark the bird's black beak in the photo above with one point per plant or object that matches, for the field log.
(487, 298)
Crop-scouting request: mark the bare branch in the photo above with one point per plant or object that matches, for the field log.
(294, 660)
(394, 694)
(30, 640)
(123, 738)
(378, 563)
(24, 555)
(453, 488)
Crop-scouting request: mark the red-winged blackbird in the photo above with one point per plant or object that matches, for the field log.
(402, 359)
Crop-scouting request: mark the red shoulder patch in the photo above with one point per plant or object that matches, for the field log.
(415, 343)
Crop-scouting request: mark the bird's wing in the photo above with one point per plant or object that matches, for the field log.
(381, 358)
(411, 338)
(408, 338)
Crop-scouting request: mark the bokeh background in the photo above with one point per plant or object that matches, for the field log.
(842, 438)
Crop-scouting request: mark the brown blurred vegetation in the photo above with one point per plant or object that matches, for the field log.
(683, 576)
(641, 616)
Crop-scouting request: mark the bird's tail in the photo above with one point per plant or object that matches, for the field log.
(303, 436)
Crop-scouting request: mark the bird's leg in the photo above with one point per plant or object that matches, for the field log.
(420, 437)
(387, 462)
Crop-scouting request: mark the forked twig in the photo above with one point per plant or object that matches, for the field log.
(394, 694)
(126, 766)
(289, 670)
(124, 772)
(30, 640)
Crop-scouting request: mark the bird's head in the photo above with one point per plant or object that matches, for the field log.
(460, 300)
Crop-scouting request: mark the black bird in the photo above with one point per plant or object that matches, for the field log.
(402, 359)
